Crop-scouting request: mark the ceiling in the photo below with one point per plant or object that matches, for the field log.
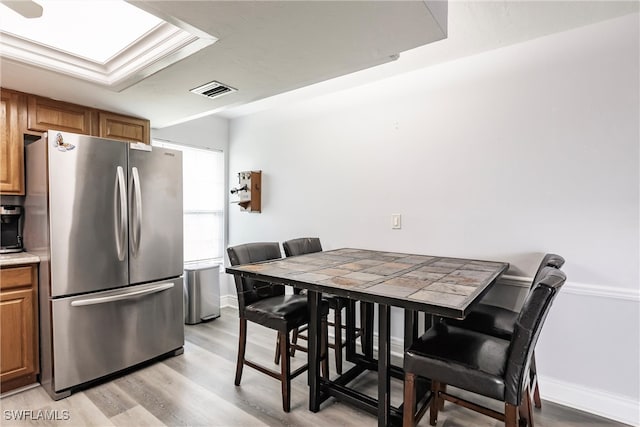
(266, 48)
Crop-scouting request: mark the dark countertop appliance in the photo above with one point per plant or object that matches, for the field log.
(11, 239)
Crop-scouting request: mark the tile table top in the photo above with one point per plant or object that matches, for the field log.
(440, 285)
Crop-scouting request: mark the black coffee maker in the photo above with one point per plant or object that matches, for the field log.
(11, 229)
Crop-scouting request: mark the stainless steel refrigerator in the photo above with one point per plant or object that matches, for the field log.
(105, 217)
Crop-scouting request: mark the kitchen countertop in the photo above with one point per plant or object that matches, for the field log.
(18, 258)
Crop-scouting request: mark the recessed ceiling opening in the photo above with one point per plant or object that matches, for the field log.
(65, 39)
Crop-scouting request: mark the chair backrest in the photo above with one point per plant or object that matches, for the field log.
(527, 330)
(249, 290)
(301, 246)
(549, 260)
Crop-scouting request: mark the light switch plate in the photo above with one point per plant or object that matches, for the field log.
(396, 221)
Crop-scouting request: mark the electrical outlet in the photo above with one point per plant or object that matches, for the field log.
(396, 221)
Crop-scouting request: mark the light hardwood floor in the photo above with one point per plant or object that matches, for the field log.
(196, 389)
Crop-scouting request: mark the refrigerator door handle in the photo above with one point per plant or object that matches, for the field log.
(121, 216)
(122, 296)
(137, 209)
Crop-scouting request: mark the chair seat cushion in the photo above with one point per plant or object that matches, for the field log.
(460, 357)
(282, 312)
(489, 319)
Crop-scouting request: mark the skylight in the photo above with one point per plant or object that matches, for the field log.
(109, 42)
(78, 27)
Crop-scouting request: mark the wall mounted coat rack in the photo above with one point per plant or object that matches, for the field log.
(249, 191)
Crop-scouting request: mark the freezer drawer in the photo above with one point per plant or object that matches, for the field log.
(101, 333)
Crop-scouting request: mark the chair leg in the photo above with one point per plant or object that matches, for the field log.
(443, 388)
(522, 412)
(242, 343)
(528, 408)
(337, 327)
(435, 402)
(510, 415)
(294, 342)
(536, 396)
(285, 370)
(277, 357)
(409, 406)
(534, 382)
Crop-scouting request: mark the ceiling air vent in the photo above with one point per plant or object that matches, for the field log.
(213, 89)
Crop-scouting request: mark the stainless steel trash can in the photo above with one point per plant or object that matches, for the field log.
(201, 291)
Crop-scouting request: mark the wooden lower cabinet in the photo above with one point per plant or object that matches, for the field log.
(19, 362)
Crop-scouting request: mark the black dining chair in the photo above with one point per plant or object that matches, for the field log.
(500, 322)
(306, 245)
(266, 304)
(481, 363)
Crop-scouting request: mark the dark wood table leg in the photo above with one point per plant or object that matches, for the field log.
(410, 327)
(384, 365)
(351, 330)
(313, 299)
(366, 322)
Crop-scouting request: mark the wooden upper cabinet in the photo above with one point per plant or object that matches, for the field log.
(47, 114)
(11, 145)
(26, 114)
(123, 128)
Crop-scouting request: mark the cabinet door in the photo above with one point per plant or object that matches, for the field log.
(19, 363)
(17, 344)
(123, 128)
(47, 114)
(11, 146)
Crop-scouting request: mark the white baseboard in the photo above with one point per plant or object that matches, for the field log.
(229, 301)
(604, 404)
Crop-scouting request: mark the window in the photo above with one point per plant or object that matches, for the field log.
(203, 201)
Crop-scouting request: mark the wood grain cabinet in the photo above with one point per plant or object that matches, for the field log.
(26, 114)
(19, 363)
(123, 128)
(45, 113)
(11, 145)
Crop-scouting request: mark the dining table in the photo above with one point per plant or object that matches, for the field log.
(439, 286)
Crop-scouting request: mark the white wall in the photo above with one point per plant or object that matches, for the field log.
(504, 155)
(207, 132)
